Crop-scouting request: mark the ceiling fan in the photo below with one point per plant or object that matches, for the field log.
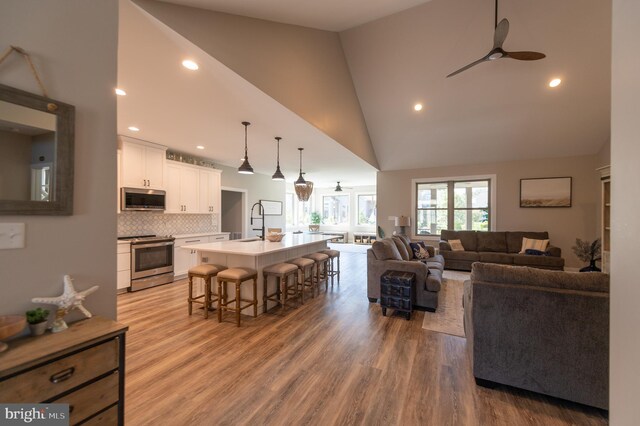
(499, 36)
(339, 188)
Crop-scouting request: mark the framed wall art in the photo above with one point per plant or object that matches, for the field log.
(545, 192)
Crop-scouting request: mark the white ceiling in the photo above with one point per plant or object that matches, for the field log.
(181, 109)
(331, 15)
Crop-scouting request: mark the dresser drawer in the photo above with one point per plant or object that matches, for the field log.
(106, 418)
(47, 381)
(91, 398)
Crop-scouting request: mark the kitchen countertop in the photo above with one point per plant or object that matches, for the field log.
(200, 234)
(258, 248)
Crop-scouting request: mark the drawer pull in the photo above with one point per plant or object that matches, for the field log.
(63, 375)
(193, 241)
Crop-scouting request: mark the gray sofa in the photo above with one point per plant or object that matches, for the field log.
(394, 254)
(496, 247)
(544, 331)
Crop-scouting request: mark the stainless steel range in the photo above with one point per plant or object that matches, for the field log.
(151, 260)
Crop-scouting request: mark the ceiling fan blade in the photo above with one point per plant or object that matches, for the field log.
(501, 33)
(525, 56)
(466, 67)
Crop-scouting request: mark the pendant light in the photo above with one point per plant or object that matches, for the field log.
(338, 187)
(245, 168)
(300, 181)
(278, 174)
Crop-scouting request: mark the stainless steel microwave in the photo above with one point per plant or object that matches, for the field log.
(137, 199)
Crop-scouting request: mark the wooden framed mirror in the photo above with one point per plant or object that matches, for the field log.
(36, 154)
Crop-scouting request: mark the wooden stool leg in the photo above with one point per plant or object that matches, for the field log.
(190, 294)
(264, 293)
(238, 303)
(338, 269)
(283, 291)
(220, 296)
(255, 297)
(326, 276)
(207, 296)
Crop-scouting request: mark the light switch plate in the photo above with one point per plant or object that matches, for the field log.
(12, 235)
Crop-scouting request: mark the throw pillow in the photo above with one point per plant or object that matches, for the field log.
(407, 243)
(402, 249)
(534, 252)
(456, 245)
(385, 250)
(419, 250)
(528, 243)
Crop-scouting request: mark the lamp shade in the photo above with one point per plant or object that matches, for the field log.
(403, 221)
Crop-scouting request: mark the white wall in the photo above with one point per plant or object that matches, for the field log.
(625, 173)
(74, 46)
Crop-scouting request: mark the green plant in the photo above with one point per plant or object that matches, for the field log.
(36, 316)
(315, 218)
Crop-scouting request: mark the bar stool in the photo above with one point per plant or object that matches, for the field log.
(321, 263)
(236, 276)
(333, 255)
(305, 275)
(207, 272)
(282, 272)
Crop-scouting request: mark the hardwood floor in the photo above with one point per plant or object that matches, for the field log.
(334, 360)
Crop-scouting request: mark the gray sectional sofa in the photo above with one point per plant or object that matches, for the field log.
(496, 247)
(544, 331)
(394, 254)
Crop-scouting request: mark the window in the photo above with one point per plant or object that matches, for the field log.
(335, 210)
(297, 212)
(458, 205)
(367, 209)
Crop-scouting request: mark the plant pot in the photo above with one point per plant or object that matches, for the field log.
(314, 228)
(38, 329)
(591, 268)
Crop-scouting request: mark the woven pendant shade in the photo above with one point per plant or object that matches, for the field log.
(304, 191)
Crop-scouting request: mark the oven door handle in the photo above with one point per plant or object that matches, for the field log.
(145, 245)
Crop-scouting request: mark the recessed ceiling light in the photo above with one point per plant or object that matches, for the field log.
(120, 92)
(200, 147)
(555, 82)
(134, 129)
(417, 107)
(189, 64)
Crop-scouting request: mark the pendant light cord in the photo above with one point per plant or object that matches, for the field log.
(245, 141)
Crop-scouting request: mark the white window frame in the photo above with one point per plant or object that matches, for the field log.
(357, 209)
(348, 222)
(492, 199)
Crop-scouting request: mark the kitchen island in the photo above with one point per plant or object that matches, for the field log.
(258, 255)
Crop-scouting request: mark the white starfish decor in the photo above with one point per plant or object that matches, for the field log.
(69, 299)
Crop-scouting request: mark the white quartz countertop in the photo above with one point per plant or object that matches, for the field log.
(200, 234)
(257, 248)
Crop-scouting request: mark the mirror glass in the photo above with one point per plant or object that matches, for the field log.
(27, 153)
(36, 154)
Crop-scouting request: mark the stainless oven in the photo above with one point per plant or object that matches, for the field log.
(151, 262)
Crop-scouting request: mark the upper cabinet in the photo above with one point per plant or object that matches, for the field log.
(142, 164)
(209, 191)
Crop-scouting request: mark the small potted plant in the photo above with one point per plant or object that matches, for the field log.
(588, 252)
(315, 222)
(37, 319)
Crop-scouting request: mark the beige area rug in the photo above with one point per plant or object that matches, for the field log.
(448, 318)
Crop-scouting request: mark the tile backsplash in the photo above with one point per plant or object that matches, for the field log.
(148, 223)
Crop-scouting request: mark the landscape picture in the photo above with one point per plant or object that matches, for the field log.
(545, 192)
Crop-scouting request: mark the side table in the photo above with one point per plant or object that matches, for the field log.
(396, 292)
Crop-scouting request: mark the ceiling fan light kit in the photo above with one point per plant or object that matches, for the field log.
(497, 52)
(245, 168)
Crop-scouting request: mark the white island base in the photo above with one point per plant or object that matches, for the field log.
(258, 255)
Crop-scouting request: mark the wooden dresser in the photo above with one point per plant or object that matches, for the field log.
(82, 366)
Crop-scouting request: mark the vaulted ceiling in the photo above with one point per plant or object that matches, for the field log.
(398, 54)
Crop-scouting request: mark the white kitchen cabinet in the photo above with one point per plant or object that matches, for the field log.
(123, 263)
(183, 259)
(218, 237)
(210, 195)
(182, 188)
(142, 164)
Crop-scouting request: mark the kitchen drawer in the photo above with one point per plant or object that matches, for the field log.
(124, 248)
(47, 381)
(91, 398)
(187, 241)
(124, 261)
(216, 238)
(108, 417)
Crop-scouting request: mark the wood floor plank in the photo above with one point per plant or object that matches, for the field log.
(334, 360)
